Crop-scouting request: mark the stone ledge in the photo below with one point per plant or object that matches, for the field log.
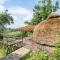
(16, 55)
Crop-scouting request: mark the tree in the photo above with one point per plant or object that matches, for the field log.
(5, 19)
(42, 10)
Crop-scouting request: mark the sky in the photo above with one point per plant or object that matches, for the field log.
(21, 10)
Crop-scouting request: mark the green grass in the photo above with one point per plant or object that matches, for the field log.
(38, 56)
(2, 52)
(13, 34)
(5, 49)
(41, 55)
(35, 55)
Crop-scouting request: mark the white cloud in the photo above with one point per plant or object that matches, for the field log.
(19, 10)
(14, 17)
(3, 1)
(20, 15)
(19, 22)
(2, 8)
(22, 12)
(28, 17)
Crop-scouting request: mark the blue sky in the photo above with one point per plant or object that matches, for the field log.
(21, 10)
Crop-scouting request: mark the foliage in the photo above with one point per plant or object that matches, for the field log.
(5, 19)
(56, 54)
(1, 36)
(29, 33)
(11, 30)
(12, 34)
(24, 34)
(2, 52)
(57, 45)
(15, 34)
(42, 10)
(35, 55)
(5, 49)
(40, 55)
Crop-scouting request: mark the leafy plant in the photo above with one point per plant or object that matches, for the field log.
(5, 19)
(42, 10)
(5, 49)
(2, 52)
(35, 55)
(12, 34)
(56, 54)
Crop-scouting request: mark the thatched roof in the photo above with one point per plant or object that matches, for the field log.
(53, 15)
(47, 32)
(27, 28)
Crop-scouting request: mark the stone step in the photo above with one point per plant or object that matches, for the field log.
(16, 55)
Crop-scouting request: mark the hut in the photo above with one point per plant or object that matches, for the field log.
(46, 33)
(27, 28)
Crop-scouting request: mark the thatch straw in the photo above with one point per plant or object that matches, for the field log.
(27, 28)
(47, 32)
(53, 15)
